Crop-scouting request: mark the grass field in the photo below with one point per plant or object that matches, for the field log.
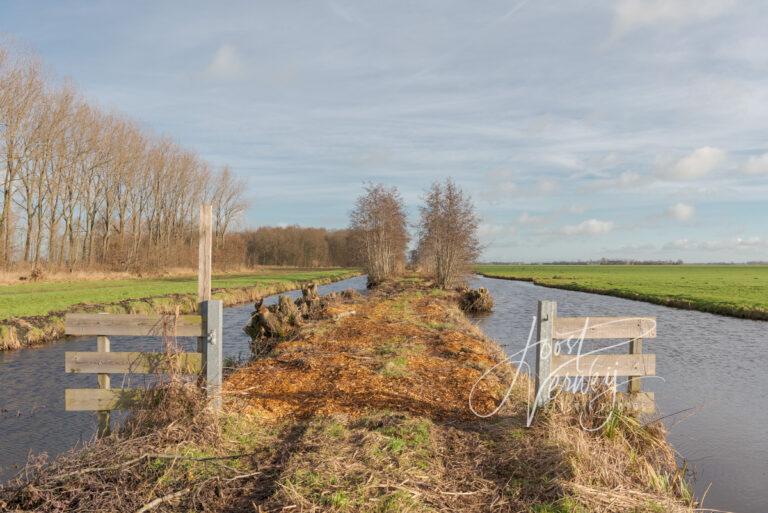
(735, 290)
(33, 299)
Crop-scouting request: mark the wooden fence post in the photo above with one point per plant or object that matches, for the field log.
(547, 311)
(635, 347)
(210, 346)
(204, 262)
(102, 346)
(213, 315)
(205, 249)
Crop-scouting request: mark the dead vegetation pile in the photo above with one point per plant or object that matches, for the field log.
(368, 412)
(476, 300)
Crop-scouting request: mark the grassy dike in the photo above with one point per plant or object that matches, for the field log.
(365, 410)
(732, 290)
(33, 313)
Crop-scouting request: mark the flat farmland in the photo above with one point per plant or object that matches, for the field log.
(36, 299)
(734, 290)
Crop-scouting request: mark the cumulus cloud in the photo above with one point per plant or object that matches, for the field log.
(624, 180)
(526, 218)
(546, 186)
(490, 231)
(757, 165)
(226, 63)
(681, 212)
(734, 244)
(636, 14)
(696, 165)
(588, 227)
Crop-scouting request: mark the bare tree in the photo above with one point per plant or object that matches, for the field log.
(228, 203)
(81, 187)
(448, 242)
(379, 223)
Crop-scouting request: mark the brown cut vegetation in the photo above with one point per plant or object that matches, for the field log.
(368, 411)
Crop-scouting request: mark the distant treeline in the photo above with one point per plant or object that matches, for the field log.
(301, 246)
(82, 187)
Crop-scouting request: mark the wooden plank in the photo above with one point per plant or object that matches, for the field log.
(98, 399)
(205, 249)
(604, 365)
(605, 327)
(83, 362)
(644, 402)
(102, 348)
(547, 312)
(134, 325)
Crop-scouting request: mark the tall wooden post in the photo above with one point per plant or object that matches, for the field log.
(204, 262)
(205, 259)
(102, 346)
(545, 329)
(211, 345)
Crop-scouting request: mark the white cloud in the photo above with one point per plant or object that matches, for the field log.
(681, 212)
(588, 227)
(489, 231)
(624, 180)
(734, 244)
(547, 186)
(696, 165)
(636, 14)
(226, 63)
(526, 218)
(757, 165)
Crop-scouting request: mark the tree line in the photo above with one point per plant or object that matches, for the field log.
(301, 247)
(447, 241)
(83, 187)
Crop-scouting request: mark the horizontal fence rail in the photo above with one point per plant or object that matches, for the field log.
(604, 365)
(83, 362)
(550, 364)
(120, 325)
(207, 361)
(604, 327)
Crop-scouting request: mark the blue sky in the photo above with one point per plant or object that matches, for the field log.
(583, 129)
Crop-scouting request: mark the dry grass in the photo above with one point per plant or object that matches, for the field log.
(366, 413)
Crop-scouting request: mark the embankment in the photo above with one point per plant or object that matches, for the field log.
(18, 332)
(727, 299)
(366, 410)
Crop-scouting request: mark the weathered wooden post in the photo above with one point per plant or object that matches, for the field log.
(547, 311)
(634, 385)
(213, 315)
(102, 346)
(211, 345)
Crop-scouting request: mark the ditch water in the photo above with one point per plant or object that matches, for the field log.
(713, 369)
(32, 383)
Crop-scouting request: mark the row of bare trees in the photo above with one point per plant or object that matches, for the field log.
(83, 187)
(447, 241)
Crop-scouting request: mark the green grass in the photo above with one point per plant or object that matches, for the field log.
(736, 290)
(32, 299)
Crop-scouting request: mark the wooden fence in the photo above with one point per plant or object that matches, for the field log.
(551, 363)
(207, 326)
